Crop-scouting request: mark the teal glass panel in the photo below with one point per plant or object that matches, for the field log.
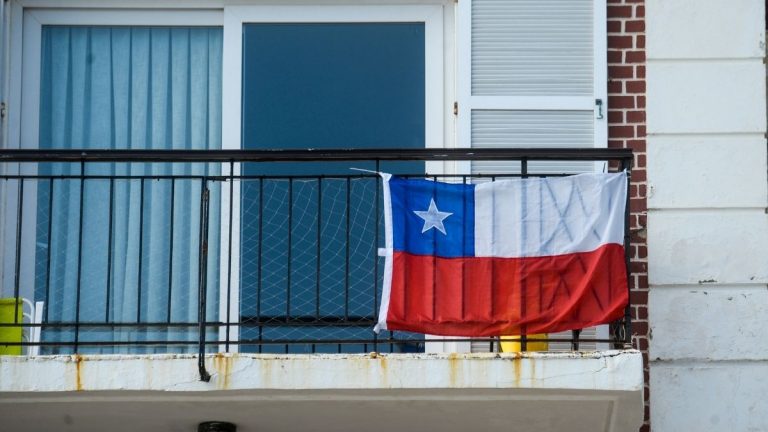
(309, 246)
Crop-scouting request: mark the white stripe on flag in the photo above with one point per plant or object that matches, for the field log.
(549, 216)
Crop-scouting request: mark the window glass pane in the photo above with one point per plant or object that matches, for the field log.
(309, 245)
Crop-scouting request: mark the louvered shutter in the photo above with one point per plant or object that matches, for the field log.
(529, 75)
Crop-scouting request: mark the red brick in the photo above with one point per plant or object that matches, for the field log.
(637, 145)
(614, 26)
(636, 86)
(634, 57)
(641, 103)
(642, 312)
(621, 72)
(640, 41)
(637, 204)
(619, 11)
(615, 56)
(640, 71)
(620, 42)
(642, 281)
(634, 26)
(635, 116)
(638, 297)
(615, 117)
(621, 102)
(640, 11)
(641, 129)
(642, 251)
(639, 327)
(621, 131)
(638, 175)
(615, 86)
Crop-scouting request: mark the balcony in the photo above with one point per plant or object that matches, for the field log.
(203, 276)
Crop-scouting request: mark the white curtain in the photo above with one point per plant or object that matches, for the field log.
(136, 259)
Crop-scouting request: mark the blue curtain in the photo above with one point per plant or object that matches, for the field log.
(135, 260)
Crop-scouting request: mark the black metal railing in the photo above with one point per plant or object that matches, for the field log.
(201, 251)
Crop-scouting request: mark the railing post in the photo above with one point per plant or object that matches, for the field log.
(626, 328)
(203, 278)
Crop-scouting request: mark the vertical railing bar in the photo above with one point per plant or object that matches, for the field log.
(434, 255)
(170, 250)
(202, 279)
(17, 263)
(259, 261)
(229, 251)
(110, 247)
(346, 251)
(627, 165)
(141, 250)
(376, 256)
(493, 305)
(290, 257)
(79, 255)
(463, 247)
(524, 279)
(48, 251)
(318, 249)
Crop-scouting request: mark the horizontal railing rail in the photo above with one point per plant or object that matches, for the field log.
(147, 251)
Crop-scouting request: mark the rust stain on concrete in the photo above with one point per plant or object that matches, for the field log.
(453, 369)
(223, 365)
(78, 372)
(516, 368)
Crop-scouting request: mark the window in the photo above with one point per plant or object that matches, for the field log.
(532, 74)
(105, 250)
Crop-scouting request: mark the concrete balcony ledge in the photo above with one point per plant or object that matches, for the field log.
(606, 370)
(583, 391)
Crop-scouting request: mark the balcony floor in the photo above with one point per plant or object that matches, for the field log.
(600, 391)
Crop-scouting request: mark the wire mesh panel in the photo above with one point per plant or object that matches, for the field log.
(310, 266)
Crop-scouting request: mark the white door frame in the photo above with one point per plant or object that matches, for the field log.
(234, 18)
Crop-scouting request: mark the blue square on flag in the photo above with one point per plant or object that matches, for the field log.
(433, 218)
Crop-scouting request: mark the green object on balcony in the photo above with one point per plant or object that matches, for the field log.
(9, 307)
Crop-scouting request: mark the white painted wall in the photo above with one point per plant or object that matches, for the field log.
(707, 219)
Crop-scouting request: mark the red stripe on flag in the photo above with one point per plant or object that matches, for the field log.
(507, 296)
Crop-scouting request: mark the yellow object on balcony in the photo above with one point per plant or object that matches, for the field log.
(8, 308)
(535, 342)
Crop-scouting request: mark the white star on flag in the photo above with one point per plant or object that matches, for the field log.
(433, 218)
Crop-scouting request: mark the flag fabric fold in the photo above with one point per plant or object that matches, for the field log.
(507, 257)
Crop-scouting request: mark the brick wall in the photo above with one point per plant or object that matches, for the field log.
(626, 129)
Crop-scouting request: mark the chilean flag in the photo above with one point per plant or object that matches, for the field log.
(509, 257)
